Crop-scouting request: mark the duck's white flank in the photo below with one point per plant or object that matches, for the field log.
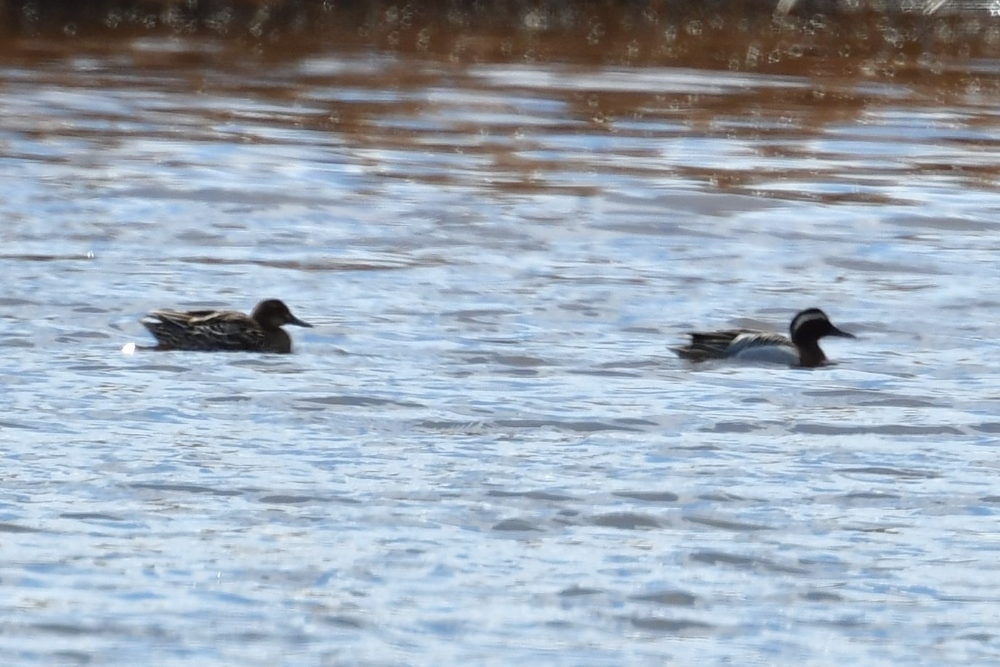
(766, 348)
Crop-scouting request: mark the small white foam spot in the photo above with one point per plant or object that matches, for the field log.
(128, 348)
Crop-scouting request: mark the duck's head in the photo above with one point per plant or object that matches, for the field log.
(812, 324)
(273, 313)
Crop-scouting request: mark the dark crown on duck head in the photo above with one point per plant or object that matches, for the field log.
(811, 325)
(274, 313)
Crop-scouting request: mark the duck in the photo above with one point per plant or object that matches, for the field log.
(224, 330)
(801, 348)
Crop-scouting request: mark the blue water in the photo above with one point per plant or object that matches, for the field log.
(484, 452)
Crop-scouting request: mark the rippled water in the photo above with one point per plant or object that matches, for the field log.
(484, 452)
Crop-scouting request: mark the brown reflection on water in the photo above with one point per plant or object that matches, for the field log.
(819, 37)
(369, 76)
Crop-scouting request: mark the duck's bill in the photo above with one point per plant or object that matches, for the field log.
(843, 334)
(299, 323)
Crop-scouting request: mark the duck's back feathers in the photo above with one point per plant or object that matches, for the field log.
(224, 330)
(708, 344)
(738, 343)
(211, 330)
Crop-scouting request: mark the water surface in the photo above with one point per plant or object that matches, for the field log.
(485, 452)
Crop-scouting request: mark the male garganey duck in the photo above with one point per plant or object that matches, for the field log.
(801, 349)
(224, 330)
